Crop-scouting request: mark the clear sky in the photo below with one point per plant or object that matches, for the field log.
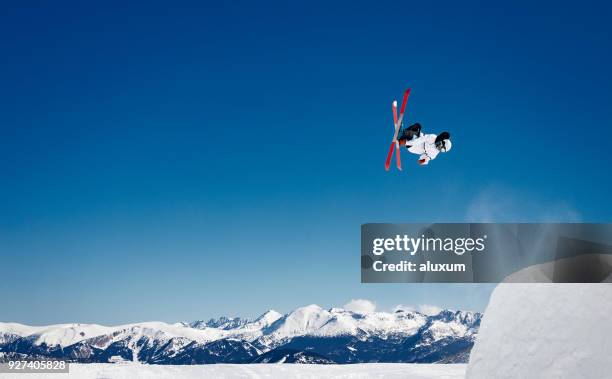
(218, 158)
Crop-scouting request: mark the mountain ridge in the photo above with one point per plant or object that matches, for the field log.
(308, 334)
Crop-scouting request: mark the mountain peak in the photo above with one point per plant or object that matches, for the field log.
(269, 316)
(223, 322)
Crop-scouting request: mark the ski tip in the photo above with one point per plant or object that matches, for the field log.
(395, 103)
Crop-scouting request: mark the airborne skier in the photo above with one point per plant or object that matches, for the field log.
(428, 146)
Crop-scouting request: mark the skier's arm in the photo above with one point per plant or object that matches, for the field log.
(430, 151)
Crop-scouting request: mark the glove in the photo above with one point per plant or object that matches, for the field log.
(423, 161)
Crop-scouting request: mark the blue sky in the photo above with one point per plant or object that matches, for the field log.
(206, 159)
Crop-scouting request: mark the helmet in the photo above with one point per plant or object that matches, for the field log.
(444, 145)
(447, 145)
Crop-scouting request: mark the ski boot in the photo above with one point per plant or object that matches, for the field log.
(408, 134)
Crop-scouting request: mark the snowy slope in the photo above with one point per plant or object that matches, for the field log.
(68, 334)
(545, 330)
(61, 334)
(304, 320)
(137, 371)
(316, 321)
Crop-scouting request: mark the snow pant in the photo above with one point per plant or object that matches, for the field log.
(410, 133)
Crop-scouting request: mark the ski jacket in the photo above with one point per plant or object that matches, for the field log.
(425, 145)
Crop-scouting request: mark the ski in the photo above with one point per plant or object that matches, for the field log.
(394, 108)
(398, 158)
(389, 155)
(398, 125)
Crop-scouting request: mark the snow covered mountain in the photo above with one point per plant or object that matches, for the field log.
(222, 322)
(308, 334)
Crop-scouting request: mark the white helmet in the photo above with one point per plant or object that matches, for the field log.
(447, 145)
(444, 145)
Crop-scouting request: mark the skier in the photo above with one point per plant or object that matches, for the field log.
(427, 145)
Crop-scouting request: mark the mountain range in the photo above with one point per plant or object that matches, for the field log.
(308, 334)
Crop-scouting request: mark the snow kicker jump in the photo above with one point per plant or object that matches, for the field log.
(427, 146)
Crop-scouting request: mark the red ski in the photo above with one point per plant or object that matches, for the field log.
(398, 159)
(398, 125)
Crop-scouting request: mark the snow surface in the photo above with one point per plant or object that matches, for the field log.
(545, 330)
(367, 370)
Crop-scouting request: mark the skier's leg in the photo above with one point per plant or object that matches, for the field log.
(416, 128)
(409, 133)
(414, 131)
